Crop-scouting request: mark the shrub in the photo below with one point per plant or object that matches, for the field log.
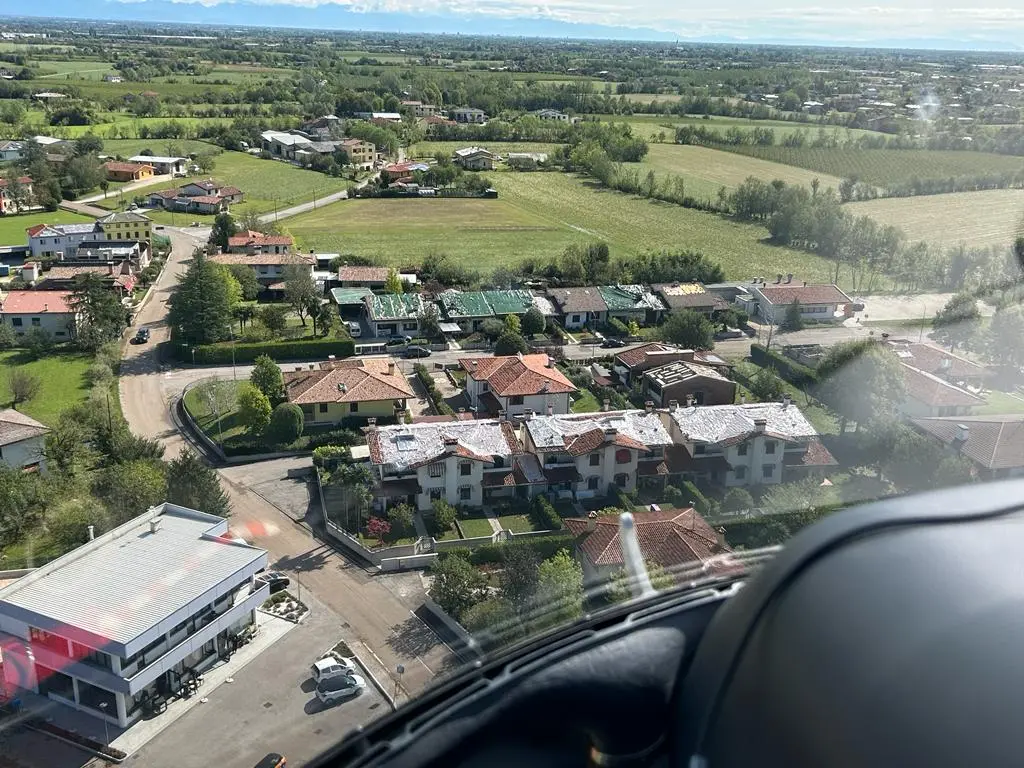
(737, 499)
(543, 515)
(544, 547)
(617, 327)
(283, 350)
(329, 456)
(286, 424)
(693, 494)
(796, 374)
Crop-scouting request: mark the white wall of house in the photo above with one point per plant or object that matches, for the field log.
(404, 327)
(60, 325)
(579, 319)
(756, 461)
(456, 480)
(808, 312)
(537, 403)
(918, 409)
(53, 246)
(24, 453)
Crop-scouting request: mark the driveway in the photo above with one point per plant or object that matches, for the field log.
(270, 707)
(159, 179)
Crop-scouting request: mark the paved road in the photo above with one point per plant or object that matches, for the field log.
(131, 187)
(295, 210)
(84, 208)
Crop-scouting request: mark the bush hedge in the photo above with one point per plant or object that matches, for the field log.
(792, 371)
(220, 354)
(543, 515)
(617, 327)
(432, 391)
(693, 494)
(545, 547)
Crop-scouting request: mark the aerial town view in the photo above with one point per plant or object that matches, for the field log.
(330, 360)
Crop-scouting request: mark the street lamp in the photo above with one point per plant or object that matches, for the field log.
(400, 669)
(106, 730)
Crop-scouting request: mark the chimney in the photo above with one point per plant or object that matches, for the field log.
(591, 522)
(689, 400)
(673, 406)
(649, 406)
(92, 532)
(501, 416)
(551, 409)
(154, 525)
(450, 444)
(519, 355)
(528, 413)
(778, 278)
(786, 400)
(462, 410)
(298, 368)
(759, 425)
(743, 399)
(610, 432)
(371, 423)
(686, 355)
(789, 278)
(110, 268)
(606, 405)
(962, 433)
(46, 307)
(391, 369)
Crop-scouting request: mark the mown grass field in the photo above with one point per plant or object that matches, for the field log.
(886, 166)
(126, 124)
(63, 383)
(430, 148)
(707, 170)
(539, 215)
(12, 228)
(649, 126)
(74, 70)
(132, 147)
(990, 217)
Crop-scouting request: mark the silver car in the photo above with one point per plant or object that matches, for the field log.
(339, 688)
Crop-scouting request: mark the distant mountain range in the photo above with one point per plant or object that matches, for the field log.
(333, 16)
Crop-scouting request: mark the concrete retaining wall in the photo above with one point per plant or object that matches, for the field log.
(457, 629)
(407, 563)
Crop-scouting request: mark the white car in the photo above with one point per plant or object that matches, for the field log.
(341, 687)
(332, 666)
(355, 330)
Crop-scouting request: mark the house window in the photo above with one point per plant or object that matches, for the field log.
(595, 459)
(60, 333)
(623, 456)
(465, 468)
(436, 469)
(436, 493)
(768, 471)
(515, 400)
(741, 473)
(769, 446)
(353, 407)
(593, 483)
(622, 480)
(699, 449)
(323, 407)
(16, 322)
(575, 318)
(742, 449)
(485, 387)
(465, 492)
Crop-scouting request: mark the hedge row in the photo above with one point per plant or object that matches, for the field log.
(792, 371)
(432, 391)
(278, 350)
(491, 554)
(543, 515)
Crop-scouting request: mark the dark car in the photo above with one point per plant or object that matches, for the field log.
(141, 336)
(275, 579)
(416, 352)
(396, 341)
(613, 343)
(273, 760)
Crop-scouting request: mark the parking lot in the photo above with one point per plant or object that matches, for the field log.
(270, 707)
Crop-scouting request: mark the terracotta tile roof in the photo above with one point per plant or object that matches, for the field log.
(166, 194)
(263, 259)
(21, 180)
(816, 455)
(122, 274)
(15, 427)
(363, 274)
(805, 294)
(933, 391)
(257, 238)
(118, 167)
(678, 460)
(993, 442)
(935, 360)
(668, 538)
(518, 375)
(586, 299)
(207, 199)
(229, 191)
(35, 302)
(347, 381)
(632, 357)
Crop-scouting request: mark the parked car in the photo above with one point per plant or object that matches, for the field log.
(332, 665)
(159, 226)
(338, 688)
(275, 579)
(141, 336)
(272, 760)
(355, 330)
(613, 343)
(397, 340)
(416, 352)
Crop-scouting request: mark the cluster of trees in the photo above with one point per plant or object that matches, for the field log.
(1000, 342)
(593, 265)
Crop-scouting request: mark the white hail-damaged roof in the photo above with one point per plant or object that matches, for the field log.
(551, 431)
(718, 423)
(129, 580)
(404, 446)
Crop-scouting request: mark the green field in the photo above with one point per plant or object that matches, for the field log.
(430, 148)
(74, 70)
(63, 383)
(96, 89)
(129, 125)
(706, 170)
(886, 166)
(649, 126)
(12, 228)
(132, 147)
(990, 217)
(538, 215)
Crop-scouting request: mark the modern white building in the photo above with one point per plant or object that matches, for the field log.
(162, 165)
(131, 614)
(22, 440)
(60, 241)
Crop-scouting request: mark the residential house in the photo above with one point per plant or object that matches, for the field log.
(126, 226)
(462, 462)
(252, 242)
(937, 361)
(49, 310)
(929, 395)
(118, 171)
(11, 150)
(270, 267)
(671, 538)
(516, 385)
(373, 278)
(113, 79)
(993, 444)
(432, 123)
(106, 251)
(395, 314)
(526, 161)
(419, 109)
(396, 171)
(210, 187)
(119, 277)
(197, 197)
(586, 455)
(474, 159)
(579, 307)
(551, 114)
(818, 303)
(632, 302)
(283, 145)
(361, 154)
(748, 444)
(351, 302)
(385, 119)
(631, 363)
(322, 128)
(690, 296)
(687, 381)
(348, 389)
(22, 441)
(467, 115)
(59, 241)
(64, 627)
(8, 203)
(162, 165)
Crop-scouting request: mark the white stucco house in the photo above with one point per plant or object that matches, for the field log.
(516, 384)
(22, 441)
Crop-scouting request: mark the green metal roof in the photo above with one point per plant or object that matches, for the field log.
(350, 295)
(623, 297)
(396, 306)
(515, 302)
(469, 304)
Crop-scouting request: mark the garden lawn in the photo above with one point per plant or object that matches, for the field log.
(537, 215)
(132, 147)
(997, 402)
(821, 418)
(63, 383)
(585, 402)
(12, 228)
(515, 523)
(226, 427)
(473, 527)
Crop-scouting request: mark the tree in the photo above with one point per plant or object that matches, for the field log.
(378, 529)
(80, 175)
(393, 283)
(401, 517)
(766, 385)
(246, 278)
(688, 329)
(560, 589)
(533, 322)
(253, 409)
(194, 484)
(200, 307)
(223, 228)
(218, 396)
(7, 337)
(23, 385)
(129, 489)
(457, 585)
(274, 316)
(620, 589)
(732, 318)
(444, 515)
(266, 376)
(737, 500)
(793, 320)
(67, 448)
(299, 290)
(104, 185)
(957, 323)
(510, 343)
(513, 324)
(38, 342)
(101, 318)
(492, 328)
(68, 521)
(286, 423)
(1005, 339)
(492, 623)
(862, 381)
(352, 483)
(520, 575)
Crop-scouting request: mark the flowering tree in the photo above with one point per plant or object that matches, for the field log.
(379, 528)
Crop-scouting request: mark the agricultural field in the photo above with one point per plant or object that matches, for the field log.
(100, 91)
(430, 148)
(706, 170)
(886, 166)
(12, 228)
(132, 147)
(538, 215)
(650, 126)
(74, 70)
(990, 217)
(125, 124)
